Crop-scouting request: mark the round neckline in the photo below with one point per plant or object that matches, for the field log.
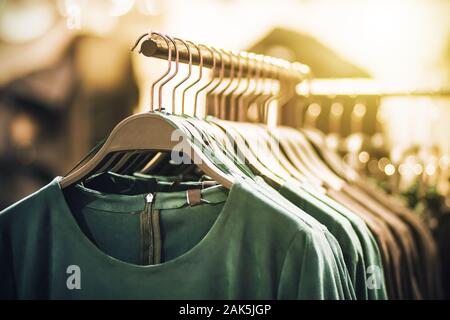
(128, 203)
(202, 245)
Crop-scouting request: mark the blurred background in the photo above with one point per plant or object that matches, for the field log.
(68, 76)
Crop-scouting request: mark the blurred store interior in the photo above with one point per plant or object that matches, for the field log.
(68, 76)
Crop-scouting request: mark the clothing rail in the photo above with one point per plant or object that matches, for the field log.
(365, 87)
(251, 64)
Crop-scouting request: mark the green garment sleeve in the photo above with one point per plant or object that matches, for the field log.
(343, 275)
(309, 275)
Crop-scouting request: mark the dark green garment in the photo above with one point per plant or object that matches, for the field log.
(250, 248)
(113, 222)
(339, 228)
(122, 184)
(372, 256)
(275, 196)
(342, 271)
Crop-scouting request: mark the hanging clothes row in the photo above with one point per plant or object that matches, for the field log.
(209, 205)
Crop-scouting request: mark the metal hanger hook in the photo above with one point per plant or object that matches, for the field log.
(213, 69)
(221, 76)
(230, 80)
(185, 78)
(177, 55)
(169, 58)
(199, 73)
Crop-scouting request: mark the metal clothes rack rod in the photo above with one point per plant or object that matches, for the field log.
(156, 47)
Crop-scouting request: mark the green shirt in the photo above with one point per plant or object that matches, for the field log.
(339, 228)
(342, 271)
(372, 256)
(240, 245)
(143, 183)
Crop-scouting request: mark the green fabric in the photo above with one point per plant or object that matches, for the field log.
(372, 255)
(336, 251)
(112, 221)
(344, 232)
(133, 184)
(198, 135)
(242, 168)
(252, 249)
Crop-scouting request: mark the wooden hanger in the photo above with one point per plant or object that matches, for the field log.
(304, 155)
(243, 151)
(148, 131)
(333, 160)
(152, 162)
(292, 154)
(245, 141)
(272, 136)
(310, 159)
(259, 141)
(200, 129)
(208, 133)
(127, 161)
(273, 155)
(162, 157)
(327, 164)
(183, 121)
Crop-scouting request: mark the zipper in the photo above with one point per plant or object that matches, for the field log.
(147, 231)
(156, 231)
(149, 198)
(152, 232)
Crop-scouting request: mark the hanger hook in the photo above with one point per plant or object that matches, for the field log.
(213, 69)
(177, 54)
(275, 95)
(283, 95)
(139, 40)
(266, 79)
(169, 58)
(221, 76)
(199, 73)
(238, 83)
(185, 78)
(259, 75)
(230, 80)
(256, 60)
(270, 76)
(240, 96)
